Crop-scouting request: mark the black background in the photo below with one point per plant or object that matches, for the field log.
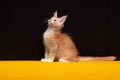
(93, 25)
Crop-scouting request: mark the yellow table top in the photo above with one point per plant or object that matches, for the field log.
(36, 70)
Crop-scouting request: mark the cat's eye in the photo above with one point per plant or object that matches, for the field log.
(54, 19)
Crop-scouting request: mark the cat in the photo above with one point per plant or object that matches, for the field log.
(60, 47)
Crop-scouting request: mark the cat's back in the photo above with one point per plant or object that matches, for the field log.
(66, 39)
(67, 49)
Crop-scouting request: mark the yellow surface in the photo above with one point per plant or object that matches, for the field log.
(36, 70)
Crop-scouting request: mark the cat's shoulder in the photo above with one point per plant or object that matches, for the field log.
(64, 35)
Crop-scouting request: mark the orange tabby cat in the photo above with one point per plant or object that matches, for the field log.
(59, 46)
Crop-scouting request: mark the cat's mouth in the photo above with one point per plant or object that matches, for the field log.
(52, 23)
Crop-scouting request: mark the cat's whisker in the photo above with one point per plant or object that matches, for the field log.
(46, 20)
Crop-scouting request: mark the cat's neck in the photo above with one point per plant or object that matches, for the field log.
(53, 30)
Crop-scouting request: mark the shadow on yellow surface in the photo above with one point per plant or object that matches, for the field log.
(36, 70)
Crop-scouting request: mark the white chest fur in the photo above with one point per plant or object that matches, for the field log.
(49, 33)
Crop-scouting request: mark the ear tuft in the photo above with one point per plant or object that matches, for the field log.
(55, 13)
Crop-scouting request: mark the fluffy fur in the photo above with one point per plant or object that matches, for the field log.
(59, 46)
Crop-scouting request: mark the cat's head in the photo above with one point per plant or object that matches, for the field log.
(57, 22)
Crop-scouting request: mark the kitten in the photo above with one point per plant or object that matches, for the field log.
(59, 46)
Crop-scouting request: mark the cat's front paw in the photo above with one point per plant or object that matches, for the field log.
(46, 60)
(49, 60)
(43, 60)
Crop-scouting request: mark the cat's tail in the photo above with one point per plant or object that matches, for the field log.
(108, 58)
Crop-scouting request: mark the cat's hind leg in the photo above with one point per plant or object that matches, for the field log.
(63, 60)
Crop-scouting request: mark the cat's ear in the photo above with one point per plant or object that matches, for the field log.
(55, 14)
(63, 19)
